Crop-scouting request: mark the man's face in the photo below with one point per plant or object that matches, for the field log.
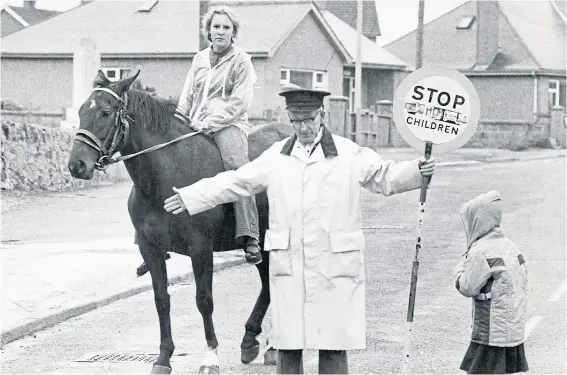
(305, 124)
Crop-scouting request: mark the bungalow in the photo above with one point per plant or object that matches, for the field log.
(301, 42)
(14, 18)
(160, 38)
(382, 72)
(514, 54)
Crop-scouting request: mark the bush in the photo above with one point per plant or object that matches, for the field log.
(10, 105)
(150, 90)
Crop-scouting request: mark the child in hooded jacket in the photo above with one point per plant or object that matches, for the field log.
(493, 272)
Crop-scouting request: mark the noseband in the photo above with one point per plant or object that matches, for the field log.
(119, 133)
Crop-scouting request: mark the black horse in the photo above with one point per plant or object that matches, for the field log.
(161, 151)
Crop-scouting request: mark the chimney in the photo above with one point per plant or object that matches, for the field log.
(487, 32)
(29, 4)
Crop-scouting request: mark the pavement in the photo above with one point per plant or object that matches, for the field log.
(63, 254)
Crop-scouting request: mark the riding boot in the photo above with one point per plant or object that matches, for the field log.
(252, 251)
(333, 362)
(290, 362)
(143, 268)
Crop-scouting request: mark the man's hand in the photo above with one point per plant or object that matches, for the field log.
(426, 167)
(174, 204)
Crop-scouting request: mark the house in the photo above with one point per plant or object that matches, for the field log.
(16, 18)
(512, 51)
(382, 72)
(160, 38)
(346, 11)
(289, 41)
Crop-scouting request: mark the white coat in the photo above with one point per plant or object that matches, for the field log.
(315, 240)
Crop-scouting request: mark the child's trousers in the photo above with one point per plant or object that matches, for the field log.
(330, 362)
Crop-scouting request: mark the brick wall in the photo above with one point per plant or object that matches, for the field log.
(35, 158)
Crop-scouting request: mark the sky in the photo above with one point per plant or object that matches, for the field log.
(396, 17)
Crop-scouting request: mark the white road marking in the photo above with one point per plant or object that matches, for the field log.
(558, 292)
(531, 324)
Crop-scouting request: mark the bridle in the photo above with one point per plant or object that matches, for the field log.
(118, 135)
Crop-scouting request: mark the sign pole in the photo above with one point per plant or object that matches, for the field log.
(415, 266)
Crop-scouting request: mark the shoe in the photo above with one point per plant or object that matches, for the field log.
(252, 252)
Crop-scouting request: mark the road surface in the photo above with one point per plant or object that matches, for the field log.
(534, 218)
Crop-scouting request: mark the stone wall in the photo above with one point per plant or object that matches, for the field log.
(47, 119)
(35, 157)
(510, 134)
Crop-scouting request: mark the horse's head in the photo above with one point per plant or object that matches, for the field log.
(103, 128)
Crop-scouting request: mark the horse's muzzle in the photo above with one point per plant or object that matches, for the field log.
(79, 169)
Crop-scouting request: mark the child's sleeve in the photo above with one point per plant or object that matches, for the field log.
(471, 274)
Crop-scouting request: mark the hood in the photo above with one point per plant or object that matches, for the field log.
(481, 215)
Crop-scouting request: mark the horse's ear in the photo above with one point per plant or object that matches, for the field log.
(101, 80)
(127, 84)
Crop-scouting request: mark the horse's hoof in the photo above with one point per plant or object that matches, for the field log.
(248, 355)
(271, 357)
(157, 369)
(209, 370)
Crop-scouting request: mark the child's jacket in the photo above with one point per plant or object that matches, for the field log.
(494, 273)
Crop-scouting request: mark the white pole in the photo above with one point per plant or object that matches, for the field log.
(424, 183)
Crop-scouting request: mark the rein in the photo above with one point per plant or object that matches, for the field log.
(119, 134)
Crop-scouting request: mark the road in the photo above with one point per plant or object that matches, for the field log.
(534, 218)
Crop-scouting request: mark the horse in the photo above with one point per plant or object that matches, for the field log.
(160, 150)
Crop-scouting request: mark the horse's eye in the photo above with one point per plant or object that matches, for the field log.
(105, 114)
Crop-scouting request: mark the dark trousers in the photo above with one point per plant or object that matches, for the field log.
(330, 362)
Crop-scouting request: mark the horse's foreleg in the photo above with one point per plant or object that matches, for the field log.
(202, 262)
(156, 264)
(250, 347)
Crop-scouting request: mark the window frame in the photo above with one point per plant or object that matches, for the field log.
(315, 74)
(119, 72)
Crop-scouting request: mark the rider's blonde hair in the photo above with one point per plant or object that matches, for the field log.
(208, 17)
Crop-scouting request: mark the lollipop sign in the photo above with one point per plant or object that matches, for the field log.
(437, 105)
(435, 108)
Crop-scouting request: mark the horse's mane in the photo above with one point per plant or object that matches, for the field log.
(151, 113)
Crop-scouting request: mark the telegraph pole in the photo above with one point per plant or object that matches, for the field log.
(419, 42)
(358, 72)
(203, 8)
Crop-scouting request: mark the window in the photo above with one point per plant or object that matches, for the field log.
(308, 79)
(147, 6)
(466, 22)
(116, 74)
(349, 91)
(556, 93)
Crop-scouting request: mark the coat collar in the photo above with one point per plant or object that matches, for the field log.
(206, 53)
(327, 144)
